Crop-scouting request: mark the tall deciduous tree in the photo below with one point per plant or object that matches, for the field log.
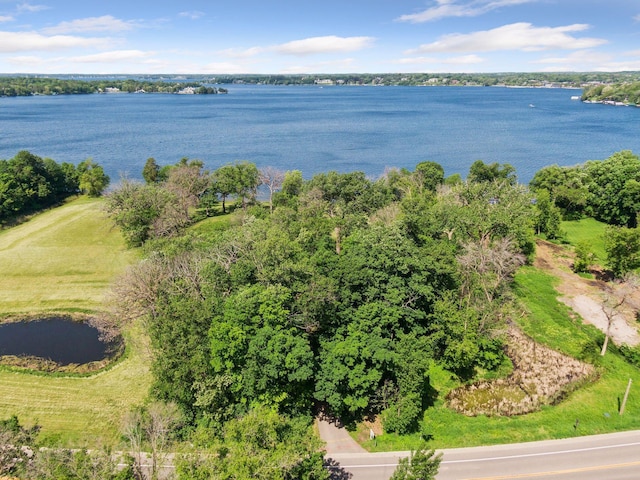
(92, 179)
(260, 445)
(187, 182)
(272, 178)
(136, 209)
(247, 181)
(622, 246)
(613, 187)
(430, 175)
(151, 171)
(224, 183)
(482, 172)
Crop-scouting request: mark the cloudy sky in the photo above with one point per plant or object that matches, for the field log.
(328, 36)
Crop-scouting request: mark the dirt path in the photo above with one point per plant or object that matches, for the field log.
(586, 296)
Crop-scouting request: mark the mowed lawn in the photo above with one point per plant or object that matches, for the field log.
(64, 260)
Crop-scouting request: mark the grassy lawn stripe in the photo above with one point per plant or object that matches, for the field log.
(64, 260)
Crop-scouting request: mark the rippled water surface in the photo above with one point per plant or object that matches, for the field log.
(315, 129)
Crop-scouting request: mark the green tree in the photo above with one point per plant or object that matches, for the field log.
(548, 217)
(622, 246)
(224, 183)
(290, 189)
(482, 212)
(431, 175)
(92, 179)
(613, 186)
(137, 209)
(151, 171)
(260, 445)
(567, 186)
(422, 464)
(247, 178)
(584, 257)
(482, 172)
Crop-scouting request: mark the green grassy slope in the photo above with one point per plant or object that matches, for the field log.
(64, 260)
(587, 230)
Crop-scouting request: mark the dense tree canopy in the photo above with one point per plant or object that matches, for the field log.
(608, 190)
(29, 183)
(344, 296)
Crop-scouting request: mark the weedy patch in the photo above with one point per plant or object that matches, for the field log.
(541, 376)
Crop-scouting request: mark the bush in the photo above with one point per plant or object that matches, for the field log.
(630, 354)
(403, 416)
(584, 257)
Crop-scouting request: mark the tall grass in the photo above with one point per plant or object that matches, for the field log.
(64, 260)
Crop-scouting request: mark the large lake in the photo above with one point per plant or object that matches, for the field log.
(315, 129)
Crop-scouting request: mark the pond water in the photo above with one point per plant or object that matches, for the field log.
(59, 339)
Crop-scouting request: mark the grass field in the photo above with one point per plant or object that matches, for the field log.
(595, 406)
(587, 230)
(64, 260)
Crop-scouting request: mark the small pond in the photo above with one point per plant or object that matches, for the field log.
(58, 339)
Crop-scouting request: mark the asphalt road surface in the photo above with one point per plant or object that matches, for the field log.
(602, 457)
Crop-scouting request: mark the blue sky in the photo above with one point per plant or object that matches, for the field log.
(328, 36)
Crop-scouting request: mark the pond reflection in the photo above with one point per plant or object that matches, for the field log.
(58, 339)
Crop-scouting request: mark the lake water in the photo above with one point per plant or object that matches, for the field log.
(315, 129)
(59, 339)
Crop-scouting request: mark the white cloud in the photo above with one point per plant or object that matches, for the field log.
(588, 60)
(112, 57)
(516, 36)
(11, 42)
(239, 53)
(26, 7)
(193, 15)
(25, 60)
(463, 60)
(451, 8)
(106, 23)
(6, 18)
(224, 68)
(416, 60)
(328, 44)
(342, 65)
(581, 57)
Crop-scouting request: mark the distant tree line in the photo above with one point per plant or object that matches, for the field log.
(25, 86)
(627, 92)
(64, 84)
(531, 79)
(29, 183)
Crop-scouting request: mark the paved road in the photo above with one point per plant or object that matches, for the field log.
(337, 439)
(611, 457)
